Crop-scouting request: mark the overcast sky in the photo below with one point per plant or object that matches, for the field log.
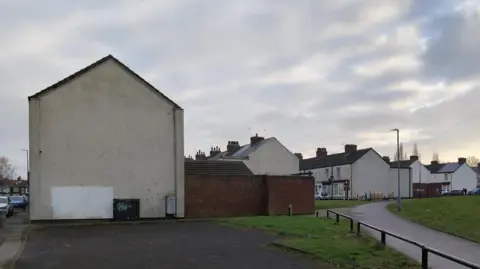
(316, 73)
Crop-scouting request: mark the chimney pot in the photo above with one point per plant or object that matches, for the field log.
(414, 158)
(232, 147)
(321, 152)
(200, 155)
(434, 162)
(255, 139)
(350, 148)
(462, 160)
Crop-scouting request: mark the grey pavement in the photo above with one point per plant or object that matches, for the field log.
(377, 215)
(155, 245)
(11, 237)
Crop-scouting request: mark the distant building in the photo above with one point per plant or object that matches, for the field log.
(350, 174)
(453, 176)
(412, 172)
(262, 156)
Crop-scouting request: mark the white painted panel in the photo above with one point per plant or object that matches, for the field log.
(79, 202)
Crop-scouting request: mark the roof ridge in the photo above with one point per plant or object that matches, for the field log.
(93, 65)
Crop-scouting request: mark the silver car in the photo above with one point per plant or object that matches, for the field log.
(6, 206)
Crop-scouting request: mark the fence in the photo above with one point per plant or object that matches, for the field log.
(383, 234)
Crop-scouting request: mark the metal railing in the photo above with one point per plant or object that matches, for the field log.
(383, 234)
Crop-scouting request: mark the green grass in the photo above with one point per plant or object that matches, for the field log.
(328, 242)
(457, 215)
(330, 204)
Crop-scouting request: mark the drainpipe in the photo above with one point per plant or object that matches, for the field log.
(351, 181)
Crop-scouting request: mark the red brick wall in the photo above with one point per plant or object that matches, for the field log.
(290, 190)
(225, 196)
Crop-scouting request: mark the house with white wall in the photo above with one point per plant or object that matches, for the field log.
(262, 156)
(349, 174)
(454, 175)
(101, 134)
(411, 171)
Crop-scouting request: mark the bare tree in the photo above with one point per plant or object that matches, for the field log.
(403, 156)
(6, 168)
(435, 157)
(472, 161)
(415, 149)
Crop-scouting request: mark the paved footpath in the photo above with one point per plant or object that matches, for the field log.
(377, 215)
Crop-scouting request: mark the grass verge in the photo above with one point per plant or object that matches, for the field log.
(456, 215)
(327, 241)
(330, 204)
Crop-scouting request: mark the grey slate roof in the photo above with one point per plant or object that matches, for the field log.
(333, 159)
(403, 164)
(243, 152)
(443, 168)
(92, 66)
(209, 167)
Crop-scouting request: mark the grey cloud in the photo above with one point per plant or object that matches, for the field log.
(454, 54)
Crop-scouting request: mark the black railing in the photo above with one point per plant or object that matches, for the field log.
(383, 234)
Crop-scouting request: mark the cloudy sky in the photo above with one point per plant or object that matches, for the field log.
(313, 73)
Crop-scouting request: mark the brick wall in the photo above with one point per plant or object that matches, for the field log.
(227, 196)
(295, 191)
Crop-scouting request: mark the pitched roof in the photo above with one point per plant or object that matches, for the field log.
(243, 152)
(333, 159)
(93, 66)
(403, 164)
(209, 167)
(443, 168)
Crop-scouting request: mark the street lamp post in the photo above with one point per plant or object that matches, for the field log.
(399, 199)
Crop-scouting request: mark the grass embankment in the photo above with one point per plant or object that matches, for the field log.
(330, 204)
(328, 242)
(457, 215)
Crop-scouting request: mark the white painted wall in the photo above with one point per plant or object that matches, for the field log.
(406, 188)
(77, 202)
(464, 177)
(106, 129)
(342, 172)
(370, 174)
(273, 158)
(420, 174)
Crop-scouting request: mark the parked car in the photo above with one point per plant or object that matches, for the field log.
(19, 201)
(475, 191)
(321, 196)
(6, 206)
(453, 193)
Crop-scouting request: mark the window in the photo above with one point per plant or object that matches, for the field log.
(338, 173)
(446, 177)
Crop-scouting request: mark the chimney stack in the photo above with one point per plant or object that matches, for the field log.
(214, 151)
(462, 160)
(434, 162)
(386, 158)
(255, 139)
(350, 148)
(321, 152)
(414, 158)
(299, 156)
(232, 147)
(200, 156)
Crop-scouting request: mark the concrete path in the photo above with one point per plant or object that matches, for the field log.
(377, 215)
(12, 236)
